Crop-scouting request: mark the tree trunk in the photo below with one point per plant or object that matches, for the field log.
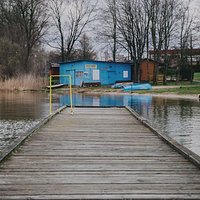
(178, 75)
(62, 49)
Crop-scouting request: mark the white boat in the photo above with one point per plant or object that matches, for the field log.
(56, 86)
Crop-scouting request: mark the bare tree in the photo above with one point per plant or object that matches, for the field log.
(86, 49)
(9, 58)
(108, 32)
(186, 25)
(70, 18)
(170, 15)
(33, 24)
(158, 24)
(24, 23)
(163, 17)
(57, 8)
(133, 23)
(170, 22)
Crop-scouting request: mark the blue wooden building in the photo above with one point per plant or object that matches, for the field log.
(102, 72)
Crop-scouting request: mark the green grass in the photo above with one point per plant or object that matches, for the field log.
(181, 83)
(197, 76)
(182, 90)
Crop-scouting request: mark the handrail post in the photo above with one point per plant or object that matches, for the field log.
(70, 92)
(50, 100)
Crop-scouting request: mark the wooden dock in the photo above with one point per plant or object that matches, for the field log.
(97, 153)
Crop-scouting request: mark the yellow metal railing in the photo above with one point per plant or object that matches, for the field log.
(70, 91)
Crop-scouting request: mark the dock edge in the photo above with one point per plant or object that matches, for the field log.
(19, 141)
(188, 154)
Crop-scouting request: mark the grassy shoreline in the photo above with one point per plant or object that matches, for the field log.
(176, 91)
(32, 83)
(180, 90)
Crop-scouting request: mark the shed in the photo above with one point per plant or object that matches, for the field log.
(147, 70)
(102, 72)
(147, 67)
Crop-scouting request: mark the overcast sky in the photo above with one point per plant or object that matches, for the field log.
(195, 4)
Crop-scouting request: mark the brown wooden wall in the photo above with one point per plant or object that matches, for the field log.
(147, 70)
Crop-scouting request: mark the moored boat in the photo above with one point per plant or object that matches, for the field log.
(121, 85)
(55, 86)
(137, 86)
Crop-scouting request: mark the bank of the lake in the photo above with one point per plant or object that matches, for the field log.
(31, 83)
(169, 91)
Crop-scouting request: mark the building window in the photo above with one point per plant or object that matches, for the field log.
(86, 74)
(79, 74)
(125, 74)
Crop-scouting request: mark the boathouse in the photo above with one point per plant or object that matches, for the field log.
(95, 72)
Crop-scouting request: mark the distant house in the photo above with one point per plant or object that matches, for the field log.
(185, 60)
(95, 72)
(174, 55)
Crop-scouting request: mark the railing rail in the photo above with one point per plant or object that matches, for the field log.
(70, 91)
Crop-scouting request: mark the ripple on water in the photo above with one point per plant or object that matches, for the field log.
(11, 129)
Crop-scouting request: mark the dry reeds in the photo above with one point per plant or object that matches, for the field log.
(23, 82)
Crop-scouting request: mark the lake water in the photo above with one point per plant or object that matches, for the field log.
(180, 119)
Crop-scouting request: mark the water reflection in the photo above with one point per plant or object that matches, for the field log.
(16, 106)
(107, 100)
(18, 113)
(178, 118)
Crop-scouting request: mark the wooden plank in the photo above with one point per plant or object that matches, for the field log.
(97, 153)
(105, 196)
(74, 189)
(7, 151)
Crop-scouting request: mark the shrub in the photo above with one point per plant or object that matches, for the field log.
(23, 82)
